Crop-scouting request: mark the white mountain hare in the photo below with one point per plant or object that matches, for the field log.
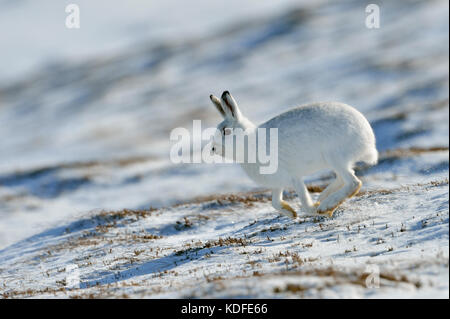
(311, 138)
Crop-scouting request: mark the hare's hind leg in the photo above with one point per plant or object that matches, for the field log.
(304, 196)
(333, 187)
(351, 186)
(279, 204)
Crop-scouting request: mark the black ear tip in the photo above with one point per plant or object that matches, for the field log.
(211, 96)
(225, 93)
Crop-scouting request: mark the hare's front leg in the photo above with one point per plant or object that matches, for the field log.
(279, 204)
(303, 194)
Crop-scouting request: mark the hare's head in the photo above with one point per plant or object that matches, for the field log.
(232, 119)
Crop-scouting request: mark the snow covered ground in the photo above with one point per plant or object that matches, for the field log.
(87, 189)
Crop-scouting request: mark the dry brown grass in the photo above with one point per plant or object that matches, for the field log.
(229, 241)
(412, 151)
(339, 277)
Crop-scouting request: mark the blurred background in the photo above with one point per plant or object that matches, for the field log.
(85, 114)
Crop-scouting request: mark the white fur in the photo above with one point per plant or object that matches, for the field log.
(311, 138)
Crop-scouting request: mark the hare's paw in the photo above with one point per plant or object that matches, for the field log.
(328, 213)
(323, 209)
(288, 210)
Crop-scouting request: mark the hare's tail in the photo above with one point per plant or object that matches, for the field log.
(370, 157)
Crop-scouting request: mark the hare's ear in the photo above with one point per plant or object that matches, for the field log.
(217, 104)
(230, 106)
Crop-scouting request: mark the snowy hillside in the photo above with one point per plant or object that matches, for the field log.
(87, 187)
(236, 246)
